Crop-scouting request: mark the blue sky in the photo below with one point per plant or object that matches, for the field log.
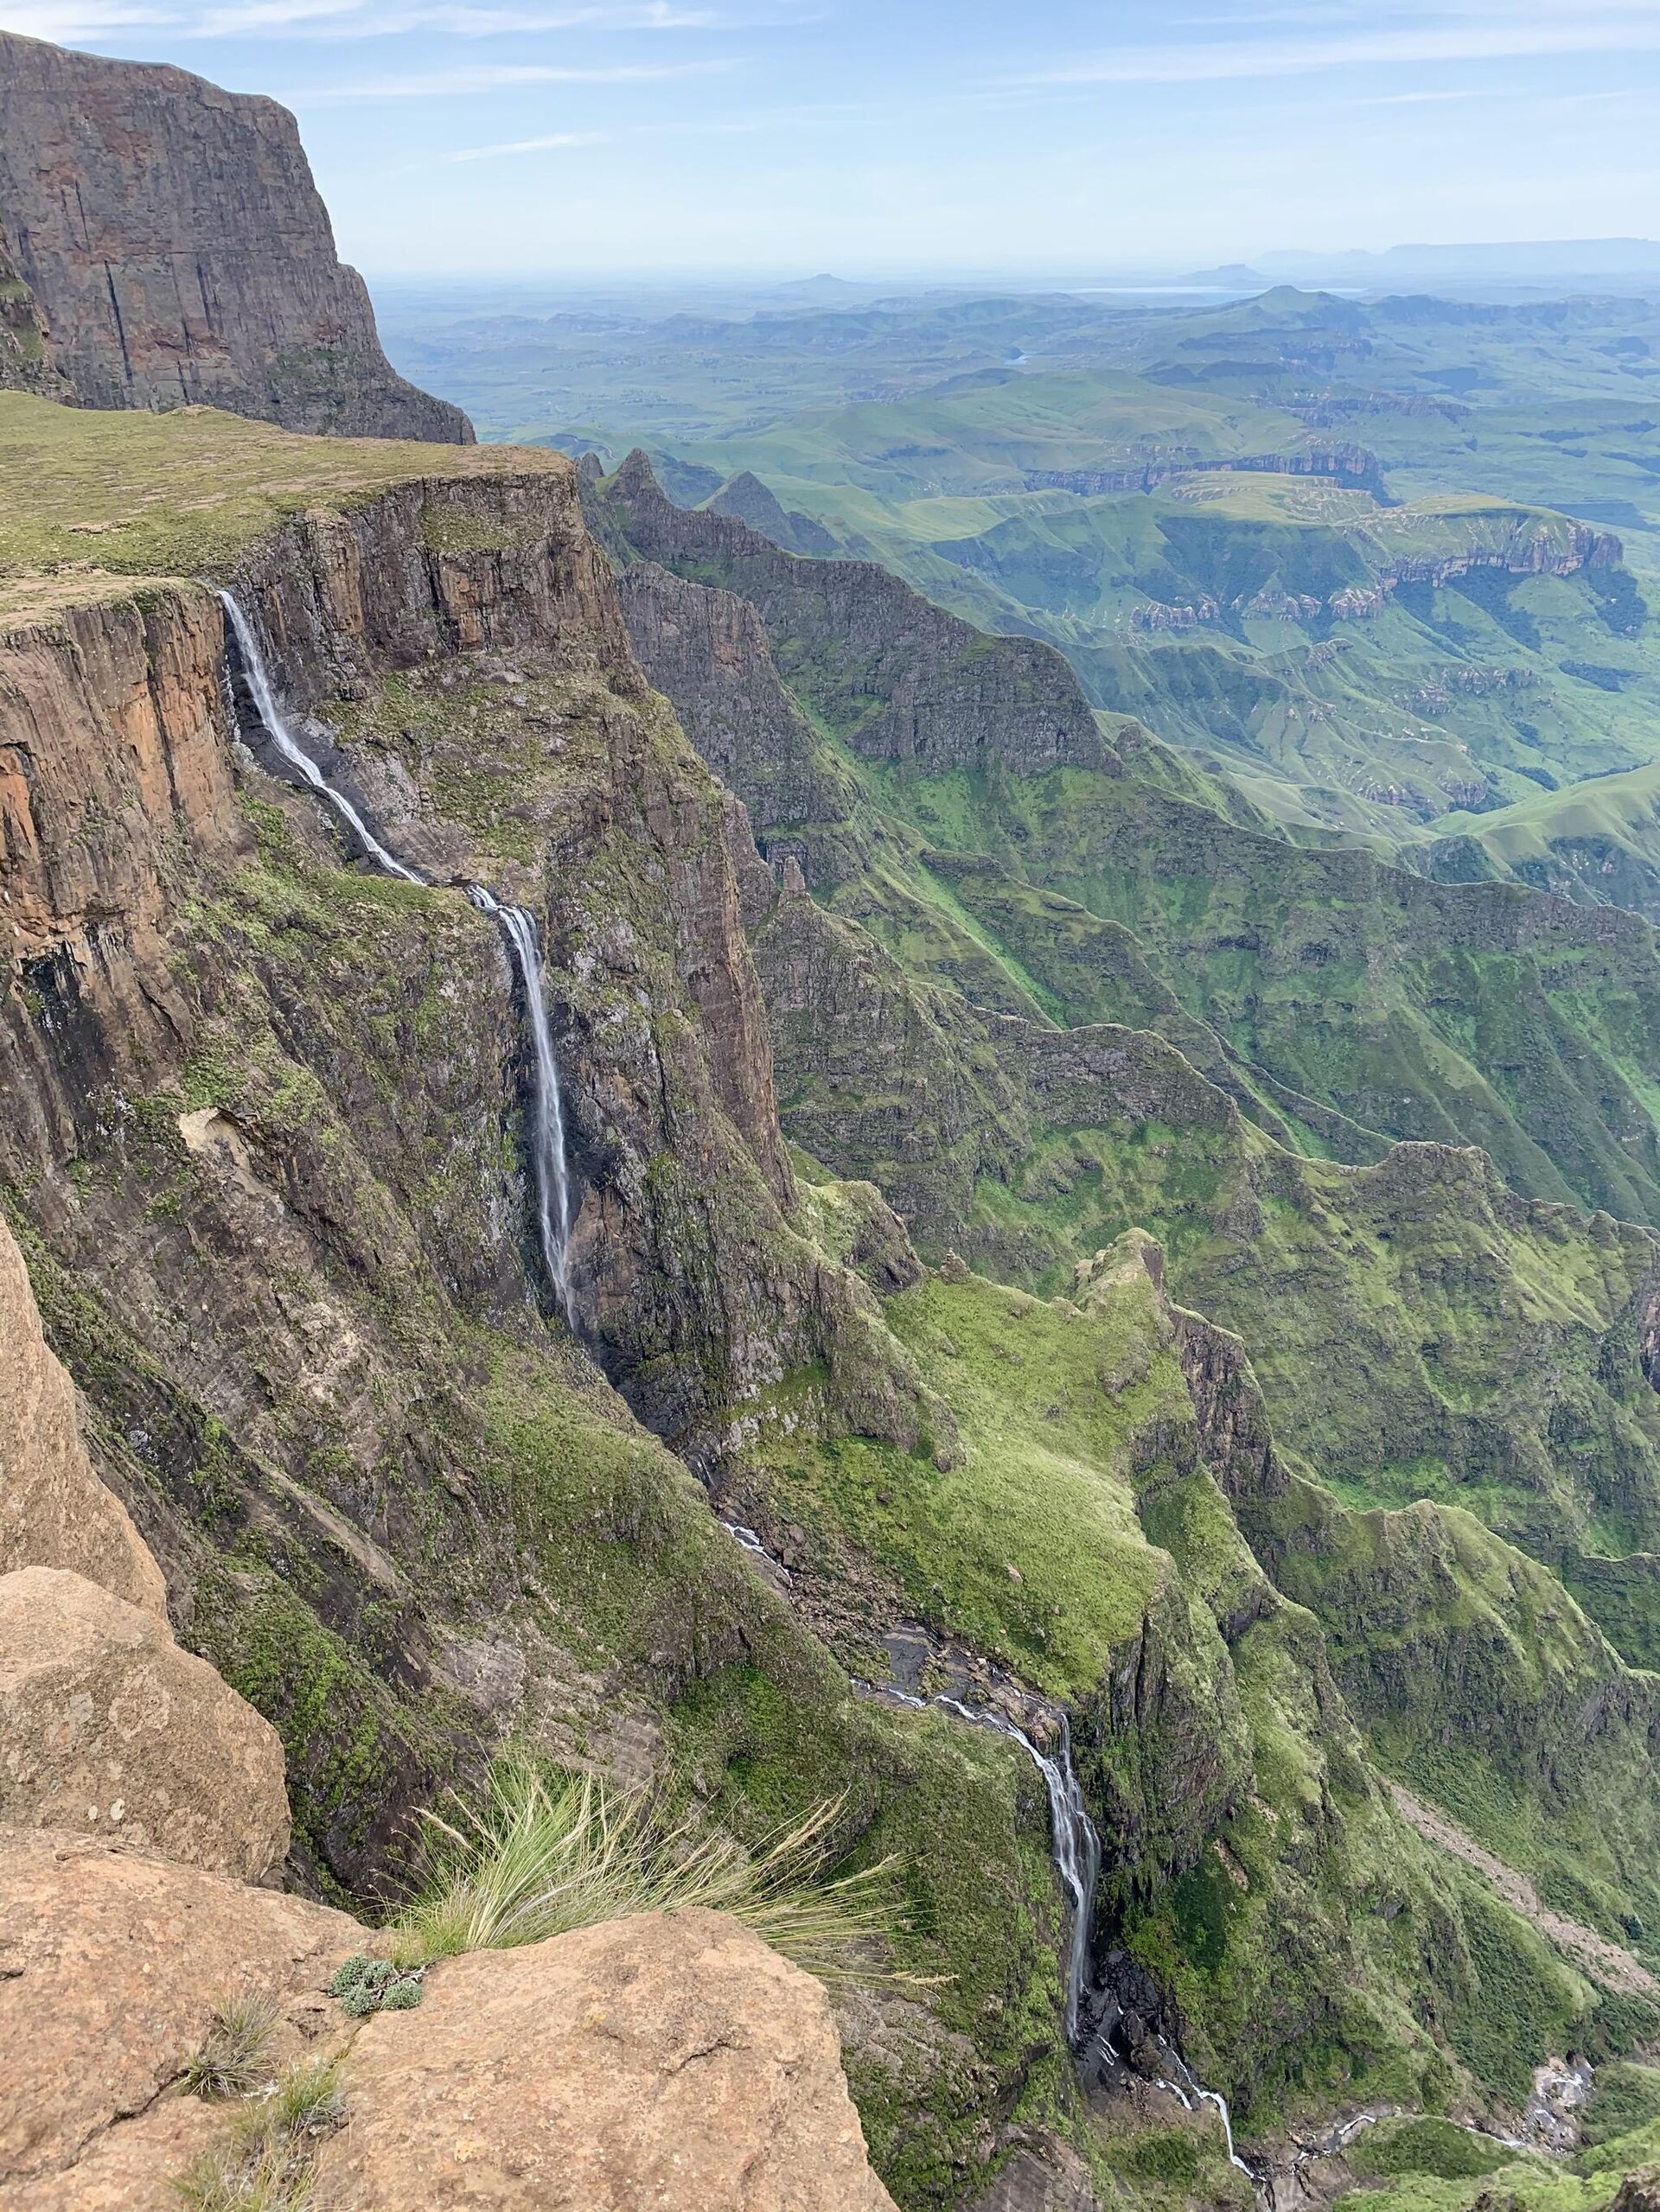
(948, 136)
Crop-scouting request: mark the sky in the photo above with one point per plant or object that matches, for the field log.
(1069, 139)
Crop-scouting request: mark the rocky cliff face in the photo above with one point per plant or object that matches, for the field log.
(176, 253)
(398, 1506)
(903, 681)
(25, 359)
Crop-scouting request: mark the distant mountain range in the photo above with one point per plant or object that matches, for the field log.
(1501, 263)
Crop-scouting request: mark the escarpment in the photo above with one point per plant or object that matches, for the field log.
(270, 1176)
(903, 681)
(176, 253)
(1338, 982)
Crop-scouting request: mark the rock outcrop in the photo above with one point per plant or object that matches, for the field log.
(664, 2060)
(673, 2061)
(113, 1965)
(175, 252)
(54, 1512)
(25, 360)
(901, 679)
(107, 1728)
(746, 499)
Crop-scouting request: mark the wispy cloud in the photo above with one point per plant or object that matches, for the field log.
(1610, 26)
(364, 19)
(72, 19)
(493, 76)
(556, 142)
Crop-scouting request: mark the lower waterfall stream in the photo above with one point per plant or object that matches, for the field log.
(518, 930)
(1075, 1846)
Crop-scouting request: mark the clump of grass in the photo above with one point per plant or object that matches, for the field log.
(543, 1852)
(364, 1985)
(265, 2162)
(231, 2057)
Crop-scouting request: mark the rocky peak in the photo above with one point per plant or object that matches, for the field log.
(173, 251)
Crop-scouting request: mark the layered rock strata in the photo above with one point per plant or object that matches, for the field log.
(176, 253)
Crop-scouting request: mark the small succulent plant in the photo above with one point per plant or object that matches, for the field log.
(364, 1985)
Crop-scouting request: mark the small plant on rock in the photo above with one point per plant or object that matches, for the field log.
(364, 1985)
(230, 2058)
(266, 2160)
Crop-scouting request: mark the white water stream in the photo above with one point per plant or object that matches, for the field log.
(1193, 2094)
(257, 671)
(1074, 1840)
(547, 1151)
(552, 1177)
(1075, 1846)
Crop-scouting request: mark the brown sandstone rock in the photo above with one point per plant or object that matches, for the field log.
(107, 1727)
(112, 1966)
(54, 1510)
(177, 253)
(133, 2166)
(663, 2062)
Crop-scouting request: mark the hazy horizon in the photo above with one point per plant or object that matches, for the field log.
(641, 136)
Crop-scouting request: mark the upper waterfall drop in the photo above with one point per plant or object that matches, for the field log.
(271, 716)
(548, 1152)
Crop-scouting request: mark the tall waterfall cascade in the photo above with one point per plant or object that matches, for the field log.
(552, 1175)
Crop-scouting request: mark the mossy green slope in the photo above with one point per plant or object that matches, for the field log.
(1457, 1013)
(1254, 1869)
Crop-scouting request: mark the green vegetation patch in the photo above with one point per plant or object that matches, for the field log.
(178, 493)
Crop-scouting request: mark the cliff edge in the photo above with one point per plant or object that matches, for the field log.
(170, 249)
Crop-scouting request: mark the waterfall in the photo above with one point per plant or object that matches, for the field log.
(553, 1179)
(1074, 1840)
(1075, 1845)
(1200, 2095)
(258, 672)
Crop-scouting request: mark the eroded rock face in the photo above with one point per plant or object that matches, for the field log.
(25, 359)
(113, 758)
(658, 2060)
(106, 1727)
(175, 247)
(112, 1966)
(1046, 2176)
(54, 1510)
(901, 679)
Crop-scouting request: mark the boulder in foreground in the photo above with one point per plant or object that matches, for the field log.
(112, 1967)
(667, 2061)
(54, 1512)
(108, 1729)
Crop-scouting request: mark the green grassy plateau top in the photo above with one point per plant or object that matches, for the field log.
(133, 493)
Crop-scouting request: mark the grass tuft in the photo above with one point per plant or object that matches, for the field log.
(544, 1853)
(266, 2161)
(231, 2057)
